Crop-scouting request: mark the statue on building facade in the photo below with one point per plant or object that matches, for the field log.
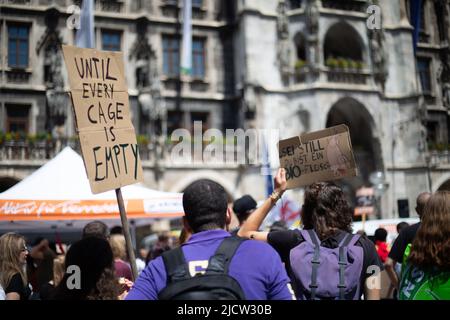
(312, 23)
(379, 57)
(249, 98)
(313, 15)
(446, 95)
(444, 77)
(53, 67)
(142, 72)
(283, 44)
(403, 13)
(282, 20)
(57, 100)
(151, 102)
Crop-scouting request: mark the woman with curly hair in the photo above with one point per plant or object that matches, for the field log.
(324, 260)
(427, 273)
(13, 255)
(89, 272)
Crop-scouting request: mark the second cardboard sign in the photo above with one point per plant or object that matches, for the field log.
(317, 156)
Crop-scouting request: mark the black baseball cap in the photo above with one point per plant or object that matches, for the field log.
(243, 205)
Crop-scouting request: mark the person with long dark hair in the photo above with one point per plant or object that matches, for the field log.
(427, 273)
(89, 272)
(13, 255)
(324, 260)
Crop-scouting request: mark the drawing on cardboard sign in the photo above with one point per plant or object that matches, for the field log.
(317, 156)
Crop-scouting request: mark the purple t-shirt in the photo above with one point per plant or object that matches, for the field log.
(256, 266)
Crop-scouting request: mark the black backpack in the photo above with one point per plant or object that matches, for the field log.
(214, 284)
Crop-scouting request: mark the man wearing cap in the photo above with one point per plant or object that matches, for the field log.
(242, 208)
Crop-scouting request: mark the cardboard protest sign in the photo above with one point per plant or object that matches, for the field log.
(365, 201)
(317, 156)
(102, 116)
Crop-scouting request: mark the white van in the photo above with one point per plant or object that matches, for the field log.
(389, 224)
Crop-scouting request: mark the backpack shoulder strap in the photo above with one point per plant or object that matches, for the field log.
(176, 266)
(311, 237)
(220, 261)
(349, 240)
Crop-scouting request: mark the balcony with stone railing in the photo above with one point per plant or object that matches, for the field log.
(32, 148)
(439, 158)
(347, 76)
(17, 2)
(342, 70)
(22, 150)
(109, 6)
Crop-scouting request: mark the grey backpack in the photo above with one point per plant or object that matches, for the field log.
(327, 273)
(214, 284)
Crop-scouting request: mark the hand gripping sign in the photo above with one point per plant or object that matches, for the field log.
(100, 101)
(317, 156)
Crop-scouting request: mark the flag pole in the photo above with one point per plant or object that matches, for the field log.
(186, 49)
(126, 233)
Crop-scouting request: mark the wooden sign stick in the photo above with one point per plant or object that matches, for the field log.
(363, 221)
(126, 233)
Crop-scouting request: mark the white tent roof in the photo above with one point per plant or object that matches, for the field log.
(63, 179)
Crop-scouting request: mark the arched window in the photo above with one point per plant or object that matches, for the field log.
(300, 50)
(367, 150)
(445, 186)
(343, 47)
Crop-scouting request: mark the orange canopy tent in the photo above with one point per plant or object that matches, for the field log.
(58, 194)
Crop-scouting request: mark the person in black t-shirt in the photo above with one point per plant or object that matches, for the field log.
(47, 290)
(41, 256)
(405, 237)
(13, 255)
(326, 212)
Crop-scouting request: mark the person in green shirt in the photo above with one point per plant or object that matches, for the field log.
(427, 272)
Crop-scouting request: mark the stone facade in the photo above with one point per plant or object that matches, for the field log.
(340, 71)
(296, 66)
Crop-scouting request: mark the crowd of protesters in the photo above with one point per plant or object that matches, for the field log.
(323, 260)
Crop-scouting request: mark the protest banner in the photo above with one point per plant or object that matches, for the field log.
(365, 203)
(102, 117)
(100, 102)
(317, 156)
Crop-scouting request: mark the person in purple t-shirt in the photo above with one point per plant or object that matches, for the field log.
(256, 266)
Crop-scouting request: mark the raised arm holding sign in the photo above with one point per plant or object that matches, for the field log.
(107, 137)
(312, 157)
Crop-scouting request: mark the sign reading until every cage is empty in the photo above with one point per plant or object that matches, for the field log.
(100, 100)
(317, 156)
